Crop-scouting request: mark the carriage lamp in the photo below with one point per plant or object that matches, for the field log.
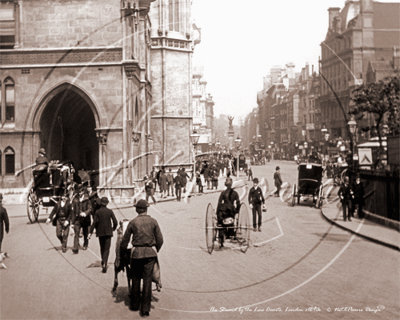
(194, 138)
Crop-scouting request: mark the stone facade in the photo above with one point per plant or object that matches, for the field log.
(80, 74)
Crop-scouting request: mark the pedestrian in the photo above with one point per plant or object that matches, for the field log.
(61, 216)
(163, 184)
(153, 177)
(215, 177)
(178, 186)
(228, 206)
(82, 209)
(158, 182)
(93, 196)
(147, 241)
(184, 177)
(105, 224)
(250, 174)
(277, 181)
(4, 222)
(149, 189)
(198, 182)
(206, 175)
(345, 196)
(170, 182)
(358, 199)
(256, 198)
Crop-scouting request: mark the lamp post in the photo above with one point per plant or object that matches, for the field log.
(194, 137)
(238, 142)
(325, 133)
(352, 126)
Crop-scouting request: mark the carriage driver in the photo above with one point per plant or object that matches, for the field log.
(228, 207)
(42, 159)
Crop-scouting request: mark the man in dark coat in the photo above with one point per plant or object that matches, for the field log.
(42, 159)
(103, 219)
(277, 181)
(62, 213)
(206, 175)
(147, 241)
(149, 189)
(250, 174)
(184, 177)
(178, 186)
(215, 176)
(358, 199)
(345, 195)
(4, 222)
(228, 206)
(163, 184)
(82, 209)
(93, 196)
(256, 198)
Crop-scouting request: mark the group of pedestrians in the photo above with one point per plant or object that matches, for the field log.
(351, 196)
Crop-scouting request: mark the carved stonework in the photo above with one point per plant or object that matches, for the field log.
(101, 138)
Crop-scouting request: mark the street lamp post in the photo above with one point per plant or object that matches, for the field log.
(195, 140)
(238, 142)
(352, 126)
(325, 133)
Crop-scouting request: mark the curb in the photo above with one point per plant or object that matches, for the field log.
(386, 244)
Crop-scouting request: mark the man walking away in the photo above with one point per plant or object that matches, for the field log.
(184, 177)
(256, 198)
(62, 215)
(4, 222)
(147, 241)
(344, 194)
(215, 176)
(358, 197)
(149, 189)
(277, 180)
(103, 219)
(163, 184)
(250, 174)
(170, 181)
(178, 187)
(206, 175)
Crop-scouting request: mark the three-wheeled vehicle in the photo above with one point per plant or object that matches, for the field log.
(238, 228)
(309, 184)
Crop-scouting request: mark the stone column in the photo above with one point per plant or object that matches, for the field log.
(102, 139)
(17, 24)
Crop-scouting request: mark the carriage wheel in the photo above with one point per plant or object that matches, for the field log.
(32, 207)
(294, 195)
(211, 231)
(243, 230)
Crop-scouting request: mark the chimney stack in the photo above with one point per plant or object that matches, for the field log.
(333, 13)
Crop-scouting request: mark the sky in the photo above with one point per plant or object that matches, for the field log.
(242, 40)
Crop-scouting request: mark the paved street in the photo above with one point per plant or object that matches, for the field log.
(298, 261)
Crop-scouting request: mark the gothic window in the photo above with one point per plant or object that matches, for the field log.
(10, 160)
(9, 99)
(174, 16)
(7, 25)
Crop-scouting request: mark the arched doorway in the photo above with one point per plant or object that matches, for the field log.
(67, 126)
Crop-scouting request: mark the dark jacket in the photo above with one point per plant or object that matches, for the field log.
(359, 193)
(62, 213)
(81, 205)
(42, 160)
(277, 179)
(184, 176)
(345, 192)
(178, 181)
(226, 207)
(102, 222)
(206, 173)
(146, 234)
(148, 185)
(4, 222)
(163, 181)
(255, 196)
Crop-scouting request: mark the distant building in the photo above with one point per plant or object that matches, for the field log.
(358, 48)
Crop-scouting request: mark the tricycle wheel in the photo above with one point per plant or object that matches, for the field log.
(243, 229)
(211, 232)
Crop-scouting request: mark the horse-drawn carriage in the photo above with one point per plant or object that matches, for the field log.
(50, 182)
(309, 184)
(235, 229)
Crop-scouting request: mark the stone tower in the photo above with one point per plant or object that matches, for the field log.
(171, 71)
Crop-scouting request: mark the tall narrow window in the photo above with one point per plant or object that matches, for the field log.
(10, 99)
(1, 158)
(174, 15)
(10, 160)
(7, 25)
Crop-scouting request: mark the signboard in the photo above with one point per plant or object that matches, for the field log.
(365, 156)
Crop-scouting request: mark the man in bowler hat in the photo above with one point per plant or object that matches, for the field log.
(105, 224)
(147, 240)
(256, 198)
(277, 180)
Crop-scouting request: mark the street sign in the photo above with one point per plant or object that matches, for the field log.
(365, 156)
